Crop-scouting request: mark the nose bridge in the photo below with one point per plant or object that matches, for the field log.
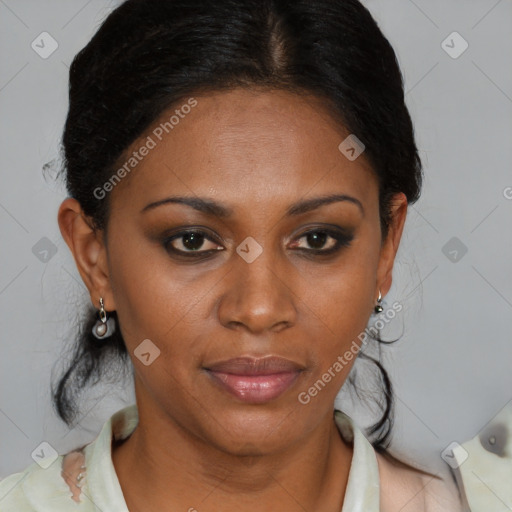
(258, 296)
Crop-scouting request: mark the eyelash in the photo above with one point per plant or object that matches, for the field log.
(342, 240)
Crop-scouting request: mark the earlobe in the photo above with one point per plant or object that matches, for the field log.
(88, 250)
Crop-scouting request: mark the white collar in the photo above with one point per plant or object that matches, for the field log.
(46, 490)
(361, 495)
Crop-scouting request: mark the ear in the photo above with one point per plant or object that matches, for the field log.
(89, 251)
(389, 246)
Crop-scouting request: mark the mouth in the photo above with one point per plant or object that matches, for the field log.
(255, 380)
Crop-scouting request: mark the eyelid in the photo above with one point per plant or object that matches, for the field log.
(324, 227)
(330, 229)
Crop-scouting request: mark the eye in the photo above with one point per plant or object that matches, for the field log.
(322, 241)
(191, 243)
(198, 243)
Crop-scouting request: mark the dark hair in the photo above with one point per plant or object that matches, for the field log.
(148, 55)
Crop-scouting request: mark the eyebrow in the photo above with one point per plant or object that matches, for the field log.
(210, 207)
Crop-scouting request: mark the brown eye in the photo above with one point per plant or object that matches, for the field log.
(322, 241)
(317, 240)
(191, 242)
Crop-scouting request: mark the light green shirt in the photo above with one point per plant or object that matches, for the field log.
(44, 490)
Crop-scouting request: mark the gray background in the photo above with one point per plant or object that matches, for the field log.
(451, 365)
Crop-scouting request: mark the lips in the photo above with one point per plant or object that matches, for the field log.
(255, 366)
(255, 380)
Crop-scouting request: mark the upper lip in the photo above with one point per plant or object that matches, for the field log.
(256, 366)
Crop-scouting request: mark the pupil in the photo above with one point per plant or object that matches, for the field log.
(316, 240)
(193, 241)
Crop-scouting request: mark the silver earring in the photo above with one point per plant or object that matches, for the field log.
(378, 307)
(103, 328)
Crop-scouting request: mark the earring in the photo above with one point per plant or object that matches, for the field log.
(103, 328)
(378, 307)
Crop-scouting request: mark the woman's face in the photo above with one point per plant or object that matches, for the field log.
(271, 269)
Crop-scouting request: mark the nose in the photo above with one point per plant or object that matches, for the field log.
(259, 296)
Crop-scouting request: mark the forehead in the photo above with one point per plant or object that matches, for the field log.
(231, 146)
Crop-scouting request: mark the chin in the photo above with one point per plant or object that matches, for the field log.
(255, 430)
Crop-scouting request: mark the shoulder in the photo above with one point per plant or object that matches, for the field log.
(408, 489)
(55, 485)
(38, 488)
(12, 495)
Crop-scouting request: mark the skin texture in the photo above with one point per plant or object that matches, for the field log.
(256, 152)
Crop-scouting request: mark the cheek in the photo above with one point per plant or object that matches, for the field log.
(342, 312)
(342, 294)
(339, 310)
(154, 303)
(154, 300)
(340, 302)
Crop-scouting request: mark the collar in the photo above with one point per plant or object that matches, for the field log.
(102, 491)
(361, 495)
(363, 487)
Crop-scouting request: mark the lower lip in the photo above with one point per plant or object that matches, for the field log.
(255, 388)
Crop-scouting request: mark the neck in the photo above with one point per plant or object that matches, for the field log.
(186, 473)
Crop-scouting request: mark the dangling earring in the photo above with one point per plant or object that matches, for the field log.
(378, 307)
(103, 328)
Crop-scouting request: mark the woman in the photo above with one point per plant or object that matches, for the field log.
(239, 174)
